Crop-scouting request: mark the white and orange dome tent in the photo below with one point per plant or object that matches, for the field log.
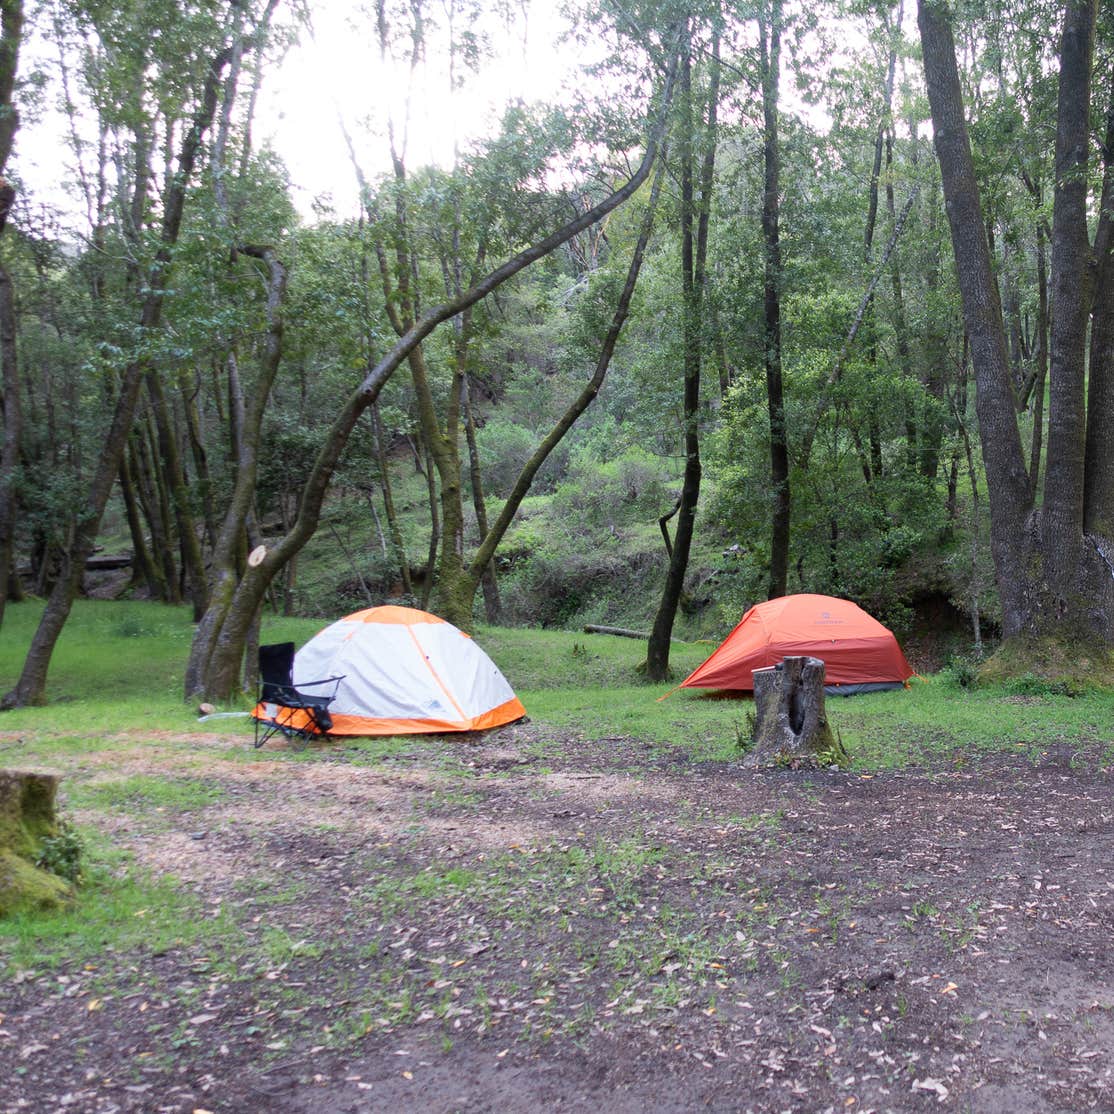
(406, 672)
(858, 652)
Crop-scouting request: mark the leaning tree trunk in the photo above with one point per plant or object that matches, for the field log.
(485, 555)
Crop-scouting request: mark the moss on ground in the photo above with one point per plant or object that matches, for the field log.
(1050, 665)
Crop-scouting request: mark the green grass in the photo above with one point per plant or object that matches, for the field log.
(141, 792)
(118, 906)
(118, 670)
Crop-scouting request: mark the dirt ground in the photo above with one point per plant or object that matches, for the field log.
(538, 922)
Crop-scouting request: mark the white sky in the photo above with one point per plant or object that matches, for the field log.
(332, 73)
(337, 73)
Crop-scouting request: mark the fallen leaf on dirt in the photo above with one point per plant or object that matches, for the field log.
(930, 1084)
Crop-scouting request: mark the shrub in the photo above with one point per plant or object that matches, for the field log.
(62, 853)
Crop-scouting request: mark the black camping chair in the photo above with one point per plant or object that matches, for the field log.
(277, 691)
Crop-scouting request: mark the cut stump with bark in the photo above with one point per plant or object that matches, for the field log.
(791, 729)
(26, 819)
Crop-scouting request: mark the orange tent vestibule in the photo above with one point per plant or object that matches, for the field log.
(858, 652)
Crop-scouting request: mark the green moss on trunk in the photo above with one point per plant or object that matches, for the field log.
(26, 819)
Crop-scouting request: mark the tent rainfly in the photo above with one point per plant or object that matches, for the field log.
(406, 672)
(859, 653)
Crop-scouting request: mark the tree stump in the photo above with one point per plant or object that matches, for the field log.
(26, 819)
(791, 727)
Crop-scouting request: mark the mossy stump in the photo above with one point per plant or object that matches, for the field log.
(791, 729)
(26, 819)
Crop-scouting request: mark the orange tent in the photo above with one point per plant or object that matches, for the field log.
(859, 654)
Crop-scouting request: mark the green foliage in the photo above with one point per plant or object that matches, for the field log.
(63, 852)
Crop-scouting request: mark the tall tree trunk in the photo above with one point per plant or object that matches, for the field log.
(193, 566)
(246, 426)
(936, 358)
(189, 391)
(156, 507)
(143, 567)
(31, 687)
(1062, 509)
(12, 430)
(1052, 581)
(901, 327)
(1007, 477)
(694, 253)
(393, 527)
(1040, 370)
(11, 33)
(770, 61)
(1098, 497)
(435, 528)
(492, 604)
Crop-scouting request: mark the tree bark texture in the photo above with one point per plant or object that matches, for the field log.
(12, 429)
(193, 565)
(1053, 580)
(11, 36)
(1098, 495)
(493, 605)
(143, 567)
(393, 527)
(694, 254)
(770, 59)
(11, 33)
(791, 727)
(226, 560)
(1007, 476)
(1062, 510)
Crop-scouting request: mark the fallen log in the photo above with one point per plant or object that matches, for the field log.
(621, 632)
(107, 564)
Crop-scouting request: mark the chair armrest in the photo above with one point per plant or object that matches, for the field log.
(326, 681)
